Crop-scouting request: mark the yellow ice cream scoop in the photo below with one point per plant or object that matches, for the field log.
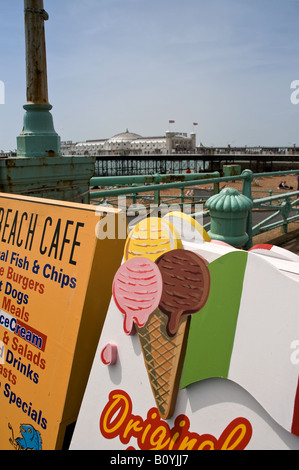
(151, 238)
(188, 228)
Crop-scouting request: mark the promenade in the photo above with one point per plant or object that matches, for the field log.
(289, 241)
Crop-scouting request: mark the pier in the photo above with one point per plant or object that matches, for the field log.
(107, 165)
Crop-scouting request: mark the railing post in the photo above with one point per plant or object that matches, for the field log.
(157, 197)
(134, 195)
(216, 187)
(285, 211)
(182, 195)
(247, 191)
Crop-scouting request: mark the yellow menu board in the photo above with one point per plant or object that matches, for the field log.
(55, 288)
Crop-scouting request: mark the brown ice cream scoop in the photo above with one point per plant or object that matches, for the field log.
(186, 285)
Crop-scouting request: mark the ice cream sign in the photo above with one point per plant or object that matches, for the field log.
(158, 298)
(195, 351)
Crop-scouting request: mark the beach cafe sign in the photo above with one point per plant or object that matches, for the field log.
(51, 314)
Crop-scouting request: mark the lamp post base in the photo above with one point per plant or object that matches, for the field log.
(38, 137)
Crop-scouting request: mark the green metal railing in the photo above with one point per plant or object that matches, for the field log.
(155, 184)
(284, 207)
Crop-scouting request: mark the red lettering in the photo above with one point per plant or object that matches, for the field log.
(153, 433)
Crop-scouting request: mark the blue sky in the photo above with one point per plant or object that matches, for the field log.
(136, 64)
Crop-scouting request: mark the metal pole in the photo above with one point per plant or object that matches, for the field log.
(38, 137)
(36, 62)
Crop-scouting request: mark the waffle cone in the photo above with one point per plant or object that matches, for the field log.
(164, 358)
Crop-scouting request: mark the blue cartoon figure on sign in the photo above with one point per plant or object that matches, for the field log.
(30, 440)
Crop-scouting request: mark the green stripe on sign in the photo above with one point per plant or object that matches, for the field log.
(212, 330)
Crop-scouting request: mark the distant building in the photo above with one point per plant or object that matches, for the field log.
(128, 143)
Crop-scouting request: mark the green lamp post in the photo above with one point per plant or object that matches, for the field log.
(39, 169)
(38, 137)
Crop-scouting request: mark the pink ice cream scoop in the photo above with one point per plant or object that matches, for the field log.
(137, 290)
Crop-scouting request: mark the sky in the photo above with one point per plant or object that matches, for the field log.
(136, 64)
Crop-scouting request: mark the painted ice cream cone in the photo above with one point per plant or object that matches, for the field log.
(157, 289)
(164, 357)
(186, 284)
